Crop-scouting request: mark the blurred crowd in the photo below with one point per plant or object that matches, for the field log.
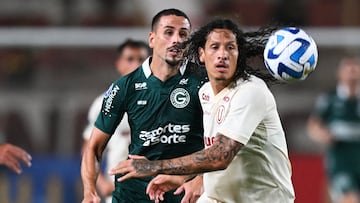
(139, 12)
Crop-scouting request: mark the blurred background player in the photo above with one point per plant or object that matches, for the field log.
(12, 156)
(130, 55)
(335, 123)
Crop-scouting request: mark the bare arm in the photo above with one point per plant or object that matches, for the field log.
(216, 157)
(104, 186)
(90, 165)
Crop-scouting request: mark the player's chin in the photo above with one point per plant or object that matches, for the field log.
(175, 61)
(222, 78)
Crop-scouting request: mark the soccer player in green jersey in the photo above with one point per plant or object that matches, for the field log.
(164, 113)
(130, 54)
(246, 156)
(335, 123)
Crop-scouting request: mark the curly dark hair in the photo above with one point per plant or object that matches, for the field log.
(250, 45)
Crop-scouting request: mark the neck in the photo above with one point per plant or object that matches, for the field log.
(218, 85)
(163, 70)
(348, 89)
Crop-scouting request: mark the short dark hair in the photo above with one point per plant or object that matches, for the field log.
(133, 44)
(167, 12)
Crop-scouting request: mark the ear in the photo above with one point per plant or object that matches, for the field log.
(201, 54)
(151, 39)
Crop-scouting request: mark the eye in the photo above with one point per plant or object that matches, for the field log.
(232, 47)
(130, 59)
(168, 32)
(214, 46)
(184, 34)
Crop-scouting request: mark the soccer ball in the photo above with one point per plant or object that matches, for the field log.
(290, 54)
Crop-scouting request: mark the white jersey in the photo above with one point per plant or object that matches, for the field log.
(117, 147)
(261, 171)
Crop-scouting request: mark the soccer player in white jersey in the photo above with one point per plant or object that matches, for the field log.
(130, 54)
(246, 157)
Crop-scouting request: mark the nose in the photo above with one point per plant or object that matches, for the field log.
(223, 54)
(176, 39)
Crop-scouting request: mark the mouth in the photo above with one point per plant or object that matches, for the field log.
(174, 51)
(221, 67)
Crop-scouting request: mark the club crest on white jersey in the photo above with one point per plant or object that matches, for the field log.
(220, 114)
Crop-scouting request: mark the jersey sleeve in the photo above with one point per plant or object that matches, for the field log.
(113, 108)
(92, 116)
(247, 109)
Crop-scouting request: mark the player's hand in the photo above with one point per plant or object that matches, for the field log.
(12, 156)
(91, 198)
(193, 190)
(135, 167)
(163, 183)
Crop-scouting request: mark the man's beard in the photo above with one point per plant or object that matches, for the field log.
(173, 63)
(220, 78)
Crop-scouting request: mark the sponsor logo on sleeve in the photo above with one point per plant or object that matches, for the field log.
(107, 93)
(109, 96)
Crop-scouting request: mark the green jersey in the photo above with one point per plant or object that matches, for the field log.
(341, 114)
(165, 120)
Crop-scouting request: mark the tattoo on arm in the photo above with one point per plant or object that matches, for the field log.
(216, 157)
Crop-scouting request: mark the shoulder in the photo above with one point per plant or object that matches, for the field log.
(126, 81)
(197, 72)
(253, 86)
(135, 75)
(253, 91)
(328, 96)
(326, 99)
(205, 88)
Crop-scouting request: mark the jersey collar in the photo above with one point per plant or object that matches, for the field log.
(343, 91)
(147, 70)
